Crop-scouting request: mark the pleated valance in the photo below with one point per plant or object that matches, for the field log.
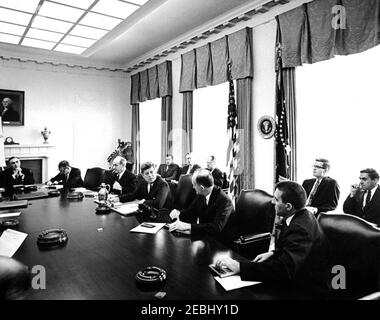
(155, 82)
(318, 30)
(207, 65)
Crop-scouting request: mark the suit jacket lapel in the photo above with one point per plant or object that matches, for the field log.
(373, 199)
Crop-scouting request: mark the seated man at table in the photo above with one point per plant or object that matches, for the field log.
(170, 170)
(151, 190)
(212, 207)
(189, 167)
(216, 173)
(300, 255)
(122, 181)
(15, 174)
(68, 176)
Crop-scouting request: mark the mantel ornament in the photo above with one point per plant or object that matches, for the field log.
(45, 134)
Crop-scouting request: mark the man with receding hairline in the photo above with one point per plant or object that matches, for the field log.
(208, 213)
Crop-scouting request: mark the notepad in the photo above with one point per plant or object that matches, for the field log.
(145, 227)
(10, 241)
(234, 282)
(125, 209)
(9, 214)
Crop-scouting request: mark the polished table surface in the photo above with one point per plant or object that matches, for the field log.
(102, 263)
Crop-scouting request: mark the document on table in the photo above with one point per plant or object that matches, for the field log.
(234, 282)
(126, 208)
(9, 214)
(10, 241)
(148, 227)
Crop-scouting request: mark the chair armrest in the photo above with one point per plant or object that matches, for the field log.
(251, 245)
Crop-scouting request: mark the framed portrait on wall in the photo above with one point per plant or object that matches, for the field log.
(12, 107)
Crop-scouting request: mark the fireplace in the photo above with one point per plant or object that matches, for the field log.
(33, 157)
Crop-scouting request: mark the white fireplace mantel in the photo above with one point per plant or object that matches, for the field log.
(30, 151)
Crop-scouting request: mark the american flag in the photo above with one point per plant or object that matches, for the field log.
(233, 145)
(282, 132)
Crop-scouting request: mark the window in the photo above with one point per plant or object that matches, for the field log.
(210, 108)
(337, 116)
(150, 131)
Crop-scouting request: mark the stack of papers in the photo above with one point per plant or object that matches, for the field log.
(10, 241)
(234, 282)
(148, 227)
(126, 208)
(9, 214)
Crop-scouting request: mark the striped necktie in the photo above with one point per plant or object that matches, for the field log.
(313, 192)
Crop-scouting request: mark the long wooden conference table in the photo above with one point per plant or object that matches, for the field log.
(102, 257)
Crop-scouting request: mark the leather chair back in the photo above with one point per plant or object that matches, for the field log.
(184, 192)
(93, 178)
(354, 244)
(254, 212)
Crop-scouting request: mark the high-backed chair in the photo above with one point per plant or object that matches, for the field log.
(93, 178)
(184, 192)
(254, 216)
(355, 245)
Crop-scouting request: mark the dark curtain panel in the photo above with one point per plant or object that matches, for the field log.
(135, 85)
(188, 72)
(320, 29)
(135, 137)
(166, 127)
(204, 66)
(144, 86)
(246, 132)
(153, 82)
(187, 123)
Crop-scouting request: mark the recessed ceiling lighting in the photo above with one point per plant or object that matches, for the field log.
(69, 49)
(44, 35)
(59, 11)
(38, 43)
(78, 41)
(100, 21)
(23, 5)
(51, 24)
(139, 2)
(9, 38)
(14, 16)
(88, 32)
(12, 28)
(115, 8)
(84, 4)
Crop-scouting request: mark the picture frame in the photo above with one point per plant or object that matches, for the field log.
(266, 126)
(12, 107)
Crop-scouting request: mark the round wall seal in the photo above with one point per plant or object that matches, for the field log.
(266, 126)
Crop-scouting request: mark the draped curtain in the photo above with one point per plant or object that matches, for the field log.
(149, 84)
(206, 66)
(135, 136)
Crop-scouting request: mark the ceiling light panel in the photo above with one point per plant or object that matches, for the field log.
(9, 38)
(23, 5)
(14, 16)
(84, 4)
(78, 41)
(115, 8)
(12, 28)
(44, 35)
(88, 32)
(58, 11)
(69, 49)
(38, 43)
(51, 24)
(139, 2)
(100, 21)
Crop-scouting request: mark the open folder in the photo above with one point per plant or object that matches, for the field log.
(126, 208)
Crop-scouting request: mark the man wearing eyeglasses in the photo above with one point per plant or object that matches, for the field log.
(322, 191)
(15, 174)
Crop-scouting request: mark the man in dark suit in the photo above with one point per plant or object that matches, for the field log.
(300, 257)
(211, 206)
(322, 191)
(122, 181)
(68, 176)
(8, 113)
(15, 174)
(152, 190)
(189, 167)
(364, 199)
(216, 173)
(169, 171)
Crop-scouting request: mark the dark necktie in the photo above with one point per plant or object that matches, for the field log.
(313, 192)
(368, 198)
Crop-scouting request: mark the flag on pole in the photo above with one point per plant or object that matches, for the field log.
(233, 145)
(282, 131)
(2, 154)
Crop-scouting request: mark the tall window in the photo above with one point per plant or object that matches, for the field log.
(150, 131)
(210, 124)
(337, 116)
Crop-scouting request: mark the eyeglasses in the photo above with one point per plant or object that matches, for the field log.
(317, 167)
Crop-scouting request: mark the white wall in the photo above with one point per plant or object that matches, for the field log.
(86, 111)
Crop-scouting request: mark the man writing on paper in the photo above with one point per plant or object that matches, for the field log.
(151, 190)
(300, 256)
(69, 176)
(208, 213)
